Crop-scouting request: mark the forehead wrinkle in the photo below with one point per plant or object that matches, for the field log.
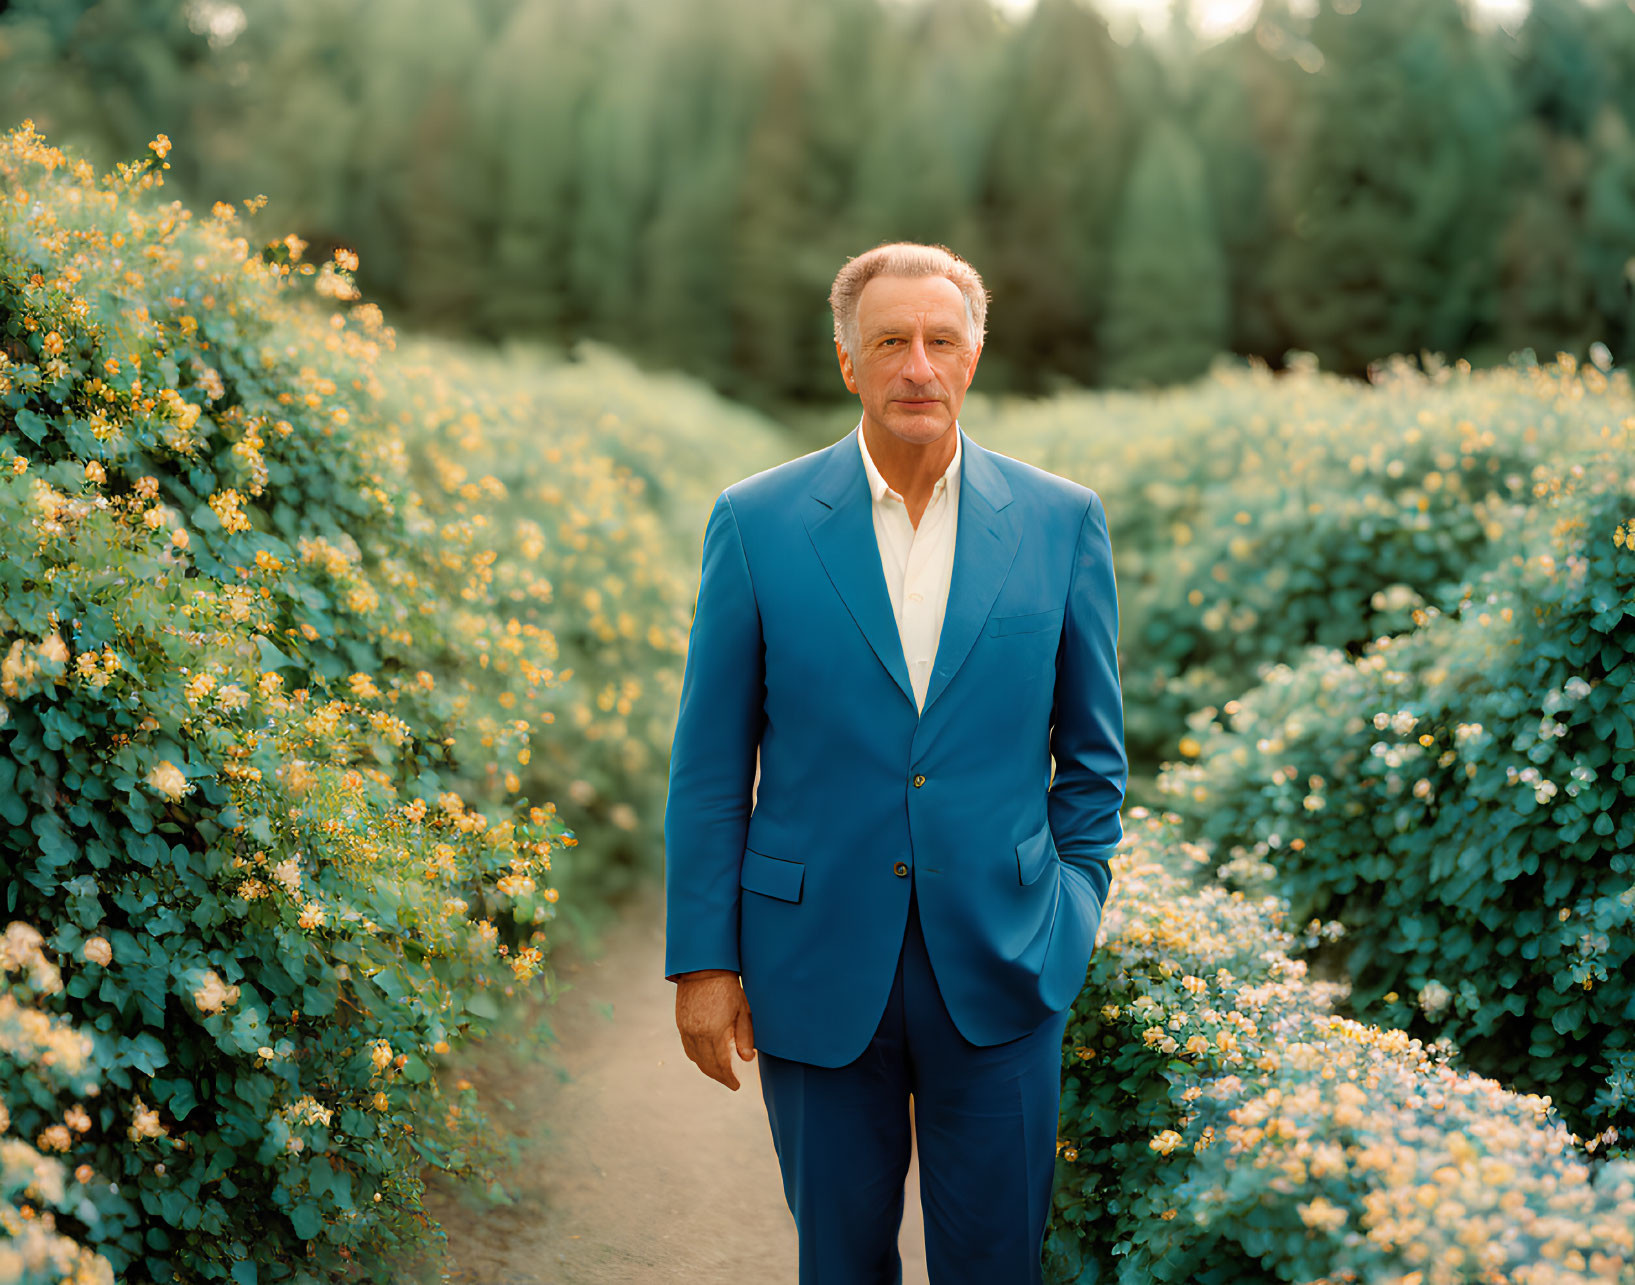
(933, 321)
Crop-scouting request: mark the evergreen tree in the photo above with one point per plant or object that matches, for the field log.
(1609, 232)
(1234, 112)
(1060, 150)
(530, 88)
(713, 53)
(1612, 24)
(1167, 300)
(1394, 193)
(920, 158)
(1545, 296)
(107, 76)
(1561, 72)
(426, 203)
(617, 172)
(779, 277)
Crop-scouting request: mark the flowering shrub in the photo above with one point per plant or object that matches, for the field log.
(1221, 1125)
(1255, 515)
(243, 686)
(1461, 797)
(588, 483)
(34, 1182)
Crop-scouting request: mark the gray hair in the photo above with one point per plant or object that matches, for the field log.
(904, 259)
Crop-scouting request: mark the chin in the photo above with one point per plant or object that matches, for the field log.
(928, 422)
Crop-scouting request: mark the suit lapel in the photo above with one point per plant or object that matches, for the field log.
(840, 521)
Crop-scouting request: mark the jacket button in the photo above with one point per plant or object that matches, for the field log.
(918, 782)
(901, 868)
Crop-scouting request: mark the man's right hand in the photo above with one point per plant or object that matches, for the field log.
(712, 1015)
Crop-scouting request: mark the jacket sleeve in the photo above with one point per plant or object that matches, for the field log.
(713, 757)
(1087, 733)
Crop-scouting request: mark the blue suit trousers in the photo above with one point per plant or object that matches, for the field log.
(985, 1116)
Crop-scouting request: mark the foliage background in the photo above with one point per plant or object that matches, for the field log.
(1353, 180)
(339, 664)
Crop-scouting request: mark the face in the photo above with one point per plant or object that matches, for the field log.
(915, 358)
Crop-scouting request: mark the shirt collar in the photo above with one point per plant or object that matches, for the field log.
(878, 485)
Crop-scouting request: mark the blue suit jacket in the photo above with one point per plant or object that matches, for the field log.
(794, 651)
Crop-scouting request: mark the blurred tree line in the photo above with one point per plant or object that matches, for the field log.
(684, 177)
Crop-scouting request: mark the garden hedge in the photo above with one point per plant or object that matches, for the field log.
(1255, 514)
(267, 716)
(1222, 1125)
(1462, 797)
(589, 482)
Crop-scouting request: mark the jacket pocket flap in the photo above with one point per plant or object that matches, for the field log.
(772, 876)
(1033, 854)
(1026, 623)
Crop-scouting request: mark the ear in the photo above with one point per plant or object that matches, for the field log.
(846, 371)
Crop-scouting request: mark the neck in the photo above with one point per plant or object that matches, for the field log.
(910, 468)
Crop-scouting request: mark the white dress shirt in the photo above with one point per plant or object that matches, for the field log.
(918, 561)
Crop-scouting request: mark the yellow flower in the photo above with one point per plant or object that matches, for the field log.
(169, 780)
(52, 647)
(145, 1123)
(1165, 1142)
(1323, 1215)
(212, 995)
(225, 505)
(98, 951)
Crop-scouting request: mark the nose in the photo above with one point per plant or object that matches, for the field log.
(917, 368)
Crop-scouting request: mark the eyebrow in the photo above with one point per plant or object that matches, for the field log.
(937, 331)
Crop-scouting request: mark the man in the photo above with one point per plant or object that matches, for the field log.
(913, 639)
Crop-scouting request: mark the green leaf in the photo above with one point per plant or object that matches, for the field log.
(33, 427)
(12, 807)
(306, 1220)
(271, 657)
(176, 1095)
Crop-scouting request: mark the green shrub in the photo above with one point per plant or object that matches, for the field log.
(54, 1068)
(1221, 1125)
(1253, 515)
(592, 482)
(240, 675)
(1461, 798)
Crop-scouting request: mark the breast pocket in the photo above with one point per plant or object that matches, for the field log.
(1029, 622)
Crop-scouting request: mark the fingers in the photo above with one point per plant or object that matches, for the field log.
(744, 1032)
(723, 1058)
(710, 1020)
(705, 1053)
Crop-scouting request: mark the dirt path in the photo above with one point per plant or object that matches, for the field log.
(634, 1166)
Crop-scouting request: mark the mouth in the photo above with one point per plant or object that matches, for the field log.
(917, 401)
